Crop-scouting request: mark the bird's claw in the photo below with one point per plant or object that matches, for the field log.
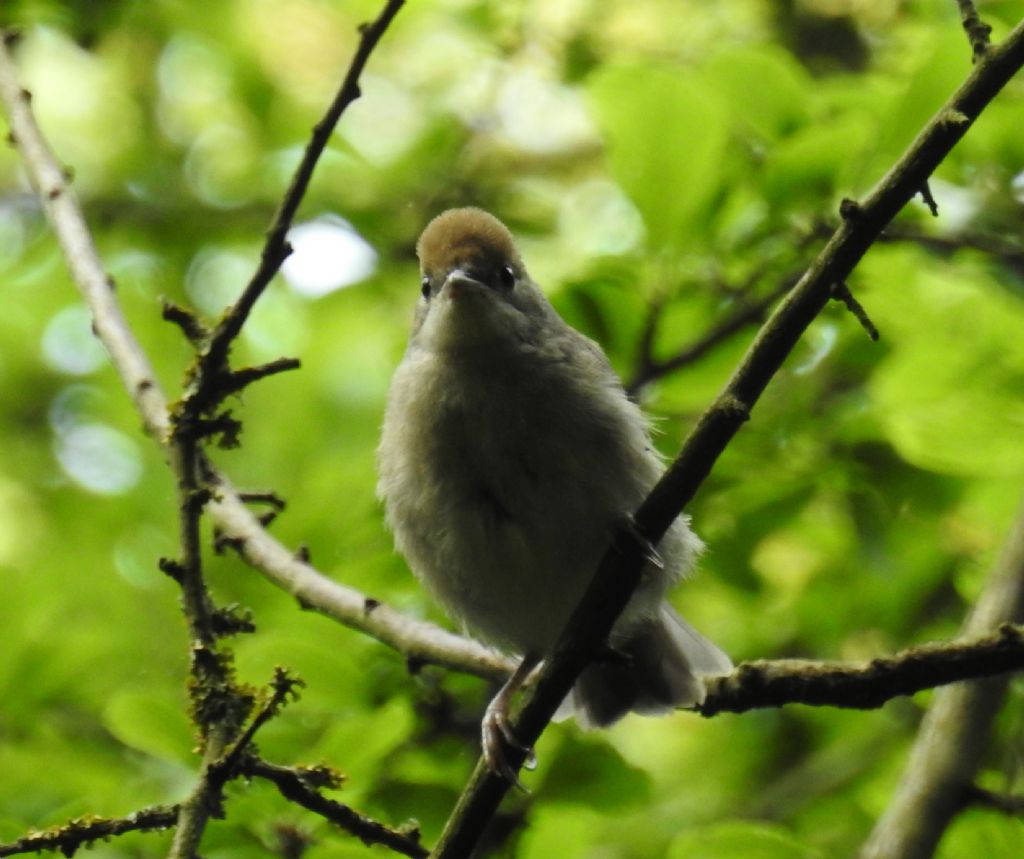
(497, 737)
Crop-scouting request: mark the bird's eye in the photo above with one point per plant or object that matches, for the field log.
(425, 287)
(507, 277)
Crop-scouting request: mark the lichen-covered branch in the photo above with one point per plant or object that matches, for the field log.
(300, 786)
(80, 832)
(864, 686)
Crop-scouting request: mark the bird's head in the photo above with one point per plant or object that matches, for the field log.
(474, 288)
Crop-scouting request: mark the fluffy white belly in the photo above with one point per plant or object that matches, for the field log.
(493, 503)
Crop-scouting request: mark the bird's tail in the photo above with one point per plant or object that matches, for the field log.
(663, 661)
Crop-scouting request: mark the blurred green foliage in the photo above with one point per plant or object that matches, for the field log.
(682, 153)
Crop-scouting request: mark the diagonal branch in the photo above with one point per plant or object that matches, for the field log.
(619, 572)
(295, 785)
(276, 248)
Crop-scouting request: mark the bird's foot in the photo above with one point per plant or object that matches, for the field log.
(497, 738)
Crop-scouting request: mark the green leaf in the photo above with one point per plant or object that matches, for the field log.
(147, 721)
(983, 833)
(593, 773)
(806, 167)
(739, 839)
(765, 89)
(553, 832)
(949, 394)
(666, 133)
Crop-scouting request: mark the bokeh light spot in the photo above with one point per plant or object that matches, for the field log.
(328, 255)
(69, 344)
(99, 458)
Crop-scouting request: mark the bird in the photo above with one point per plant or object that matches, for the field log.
(510, 456)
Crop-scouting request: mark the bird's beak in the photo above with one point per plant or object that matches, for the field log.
(460, 282)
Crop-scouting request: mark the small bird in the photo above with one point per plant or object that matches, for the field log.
(510, 456)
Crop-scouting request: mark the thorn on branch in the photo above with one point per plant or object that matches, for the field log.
(849, 210)
(194, 330)
(265, 519)
(224, 425)
(172, 568)
(271, 498)
(303, 554)
(232, 620)
(237, 380)
(929, 200)
(841, 292)
(222, 542)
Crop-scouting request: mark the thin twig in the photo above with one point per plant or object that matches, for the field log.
(620, 570)
(977, 31)
(1009, 804)
(841, 292)
(50, 182)
(929, 199)
(1006, 253)
(276, 248)
(651, 370)
(284, 686)
(294, 784)
(69, 837)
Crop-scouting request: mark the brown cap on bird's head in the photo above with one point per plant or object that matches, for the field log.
(465, 236)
